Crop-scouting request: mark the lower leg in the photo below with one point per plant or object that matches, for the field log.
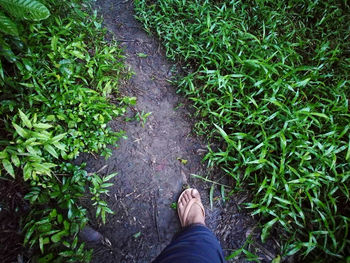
(196, 243)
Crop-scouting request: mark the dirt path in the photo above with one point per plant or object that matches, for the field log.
(150, 176)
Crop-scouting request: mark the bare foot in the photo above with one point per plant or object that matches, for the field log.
(190, 208)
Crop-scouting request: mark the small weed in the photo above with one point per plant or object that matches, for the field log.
(142, 117)
(183, 161)
(173, 205)
(178, 106)
(137, 235)
(249, 256)
(142, 55)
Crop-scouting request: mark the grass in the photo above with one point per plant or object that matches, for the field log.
(270, 82)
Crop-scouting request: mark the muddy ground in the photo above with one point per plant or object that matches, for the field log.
(150, 172)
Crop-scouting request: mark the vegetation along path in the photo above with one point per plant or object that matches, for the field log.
(157, 159)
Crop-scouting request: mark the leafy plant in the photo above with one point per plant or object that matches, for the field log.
(249, 256)
(142, 117)
(20, 10)
(25, 9)
(99, 187)
(52, 227)
(31, 144)
(142, 55)
(59, 91)
(270, 81)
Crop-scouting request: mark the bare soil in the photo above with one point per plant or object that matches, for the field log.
(12, 208)
(150, 172)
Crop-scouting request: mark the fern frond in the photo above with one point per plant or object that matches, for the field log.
(25, 9)
(7, 26)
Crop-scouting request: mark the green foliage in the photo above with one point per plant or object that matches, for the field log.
(270, 82)
(9, 30)
(52, 227)
(31, 145)
(59, 81)
(59, 225)
(7, 26)
(142, 117)
(250, 257)
(25, 9)
(99, 187)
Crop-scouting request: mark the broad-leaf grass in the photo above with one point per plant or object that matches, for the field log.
(270, 82)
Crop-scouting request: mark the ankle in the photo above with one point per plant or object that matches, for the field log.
(196, 219)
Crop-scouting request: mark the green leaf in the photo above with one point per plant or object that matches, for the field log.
(7, 26)
(1, 71)
(103, 215)
(15, 160)
(75, 243)
(293, 251)
(137, 235)
(21, 132)
(211, 196)
(222, 190)
(8, 167)
(130, 100)
(77, 54)
(223, 133)
(60, 146)
(43, 126)
(266, 229)
(319, 115)
(91, 72)
(234, 254)
(66, 244)
(51, 150)
(43, 168)
(28, 234)
(26, 9)
(27, 171)
(183, 161)
(3, 154)
(54, 41)
(68, 253)
(41, 244)
(58, 236)
(109, 177)
(42, 135)
(53, 213)
(142, 55)
(106, 185)
(276, 259)
(66, 225)
(74, 228)
(58, 137)
(46, 259)
(348, 152)
(302, 83)
(43, 221)
(59, 218)
(24, 118)
(27, 64)
(50, 118)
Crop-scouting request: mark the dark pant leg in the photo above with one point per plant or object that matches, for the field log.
(195, 244)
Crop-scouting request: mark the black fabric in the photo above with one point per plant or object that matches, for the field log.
(195, 244)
